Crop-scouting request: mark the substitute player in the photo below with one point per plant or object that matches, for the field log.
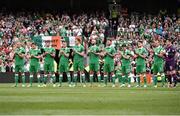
(158, 62)
(94, 52)
(34, 69)
(19, 57)
(109, 53)
(78, 61)
(64, 63)
(141, 54)
(49, 63)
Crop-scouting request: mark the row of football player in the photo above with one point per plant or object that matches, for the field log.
(163, 57)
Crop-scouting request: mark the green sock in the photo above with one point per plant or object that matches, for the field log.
(129, 80)
(69, 78)
(123, 79)
(39, 79)
(23, 79)
(16, 79)
(45, 79)
(75, 79)
(119, 78)
(91, 78)
(138, 79)
(54, 78)
(163, 79)
(145, 81)
(60, 79)
(83, 78)
(113, 79)
(31, 79)
(105, 79)
(99, 78)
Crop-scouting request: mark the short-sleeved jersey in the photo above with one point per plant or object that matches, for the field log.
(111, 50)
(63, 58)
(18, 59)
(79, 49)
(33, 60)
(158, 50)
(140, 60)
(48, 58)
(93, 58)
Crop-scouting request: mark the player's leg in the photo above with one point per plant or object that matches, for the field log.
(155, 71)
(123, 76)
(52, 74)
(82, 74)
(22, 72)
(31, 71)
(174, 76)
(143, 72)
(112, 75)
(91, 72)
(75, 67)
(128, 70)
(161, 71)
(45, 74)
(138, 75)
(37, 69)
(16, 76)
(113, 78)
(106, 70)
(61, 70)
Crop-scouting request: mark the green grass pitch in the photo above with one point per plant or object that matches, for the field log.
(88, 101)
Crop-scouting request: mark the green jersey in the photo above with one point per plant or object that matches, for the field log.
(33, 60)
(93, 58)
(79, 49)
(158, 59)
(109, 50)
(48, 58)
(19, 60)
(140, 60)
(126, 61)
(63, 58)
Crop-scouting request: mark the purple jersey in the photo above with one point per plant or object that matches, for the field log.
(170, 58)
(170, 54)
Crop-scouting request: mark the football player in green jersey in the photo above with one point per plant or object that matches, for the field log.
(34, 55)
(126, 65)
(64, 63)
(94, 52)
(78, 61)
(19, 57)
(158, 62)
(141, 54)
(109, 53)
(49, 64)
